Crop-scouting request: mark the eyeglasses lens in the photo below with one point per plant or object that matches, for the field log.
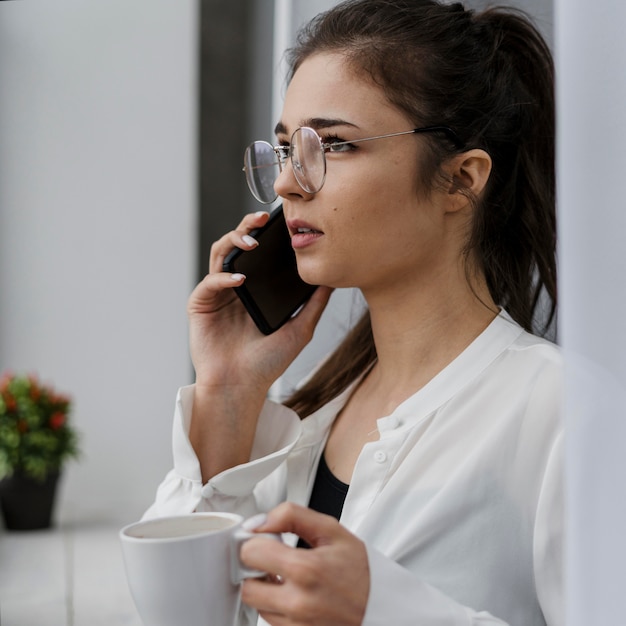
(262, 169)
(307, 159)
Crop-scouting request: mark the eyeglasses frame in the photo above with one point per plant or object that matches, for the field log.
(285, 152)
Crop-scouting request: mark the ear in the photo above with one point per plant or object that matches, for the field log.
(469, 172)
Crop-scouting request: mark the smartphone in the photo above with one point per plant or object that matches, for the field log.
(273, 290)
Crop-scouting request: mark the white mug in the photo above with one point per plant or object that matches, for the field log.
(186, 569)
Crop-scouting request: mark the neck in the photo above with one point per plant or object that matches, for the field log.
(418, 332)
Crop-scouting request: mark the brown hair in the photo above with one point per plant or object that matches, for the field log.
(489, 76)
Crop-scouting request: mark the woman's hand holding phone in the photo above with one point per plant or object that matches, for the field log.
(235, 363)
(225, 344)
(273, 290)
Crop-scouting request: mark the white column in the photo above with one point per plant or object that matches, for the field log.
(591, 79)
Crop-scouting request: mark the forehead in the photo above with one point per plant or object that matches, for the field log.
(325, 86)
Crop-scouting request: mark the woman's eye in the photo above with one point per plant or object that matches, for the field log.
(338, 146)
(283, 151)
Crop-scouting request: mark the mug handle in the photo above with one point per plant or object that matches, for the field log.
(238, 570)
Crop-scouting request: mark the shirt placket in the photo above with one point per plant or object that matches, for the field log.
(371, 472)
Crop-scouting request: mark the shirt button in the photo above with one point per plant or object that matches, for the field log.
(380, 456)
(207, 491)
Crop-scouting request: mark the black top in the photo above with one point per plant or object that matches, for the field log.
(328, 494)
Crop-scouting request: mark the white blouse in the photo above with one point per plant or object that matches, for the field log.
(460, 501)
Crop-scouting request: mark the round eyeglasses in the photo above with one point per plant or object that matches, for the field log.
(263, 162)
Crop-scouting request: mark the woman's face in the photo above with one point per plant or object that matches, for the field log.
(370, 226)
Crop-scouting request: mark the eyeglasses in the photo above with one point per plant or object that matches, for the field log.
(263, 162)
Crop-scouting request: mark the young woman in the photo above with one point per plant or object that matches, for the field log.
(421, 463)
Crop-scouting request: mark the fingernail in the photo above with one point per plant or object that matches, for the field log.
(254, 522)
(236, 277)
(250, 241)
(260, 213)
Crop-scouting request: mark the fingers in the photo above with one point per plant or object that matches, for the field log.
(203, 298)
(284, 603)
(295, 594)
(238, 238)
(328, 584)
(315, 528)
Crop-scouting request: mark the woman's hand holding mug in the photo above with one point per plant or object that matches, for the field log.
(328, 584)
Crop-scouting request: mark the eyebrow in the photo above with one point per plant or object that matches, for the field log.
(315, 123)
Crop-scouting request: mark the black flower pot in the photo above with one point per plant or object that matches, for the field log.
(27, 504)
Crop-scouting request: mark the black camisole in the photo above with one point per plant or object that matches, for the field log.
(328, 494)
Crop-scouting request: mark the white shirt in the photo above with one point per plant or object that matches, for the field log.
(460, 501)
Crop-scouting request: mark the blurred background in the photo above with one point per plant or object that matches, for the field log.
(98, 226)
(122, 130)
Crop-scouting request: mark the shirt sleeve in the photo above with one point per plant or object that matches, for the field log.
(246, 489)
(398, 597)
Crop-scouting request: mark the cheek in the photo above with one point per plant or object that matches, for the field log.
(371, 189)
(377, 207)
(395, 177)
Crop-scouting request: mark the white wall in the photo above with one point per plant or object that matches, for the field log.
(591, 94)
(97, 221)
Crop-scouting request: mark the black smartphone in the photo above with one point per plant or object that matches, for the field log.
(273, 290)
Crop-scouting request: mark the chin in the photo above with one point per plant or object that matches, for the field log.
(309, 272)
(325, 279)
(321, 274)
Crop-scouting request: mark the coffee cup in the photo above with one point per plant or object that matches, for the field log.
(186, 569)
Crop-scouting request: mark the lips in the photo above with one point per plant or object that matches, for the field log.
(298, 227)
(303, 234)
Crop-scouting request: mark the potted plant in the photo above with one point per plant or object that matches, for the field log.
(36, 439)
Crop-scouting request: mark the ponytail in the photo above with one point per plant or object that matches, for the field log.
(514, 230)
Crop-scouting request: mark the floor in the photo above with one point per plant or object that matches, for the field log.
(72, 575)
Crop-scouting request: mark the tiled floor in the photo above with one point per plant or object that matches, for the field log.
(72, 575)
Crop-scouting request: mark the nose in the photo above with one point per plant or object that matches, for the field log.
(287, 186)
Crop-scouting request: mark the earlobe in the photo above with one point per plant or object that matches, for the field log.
(470, 172)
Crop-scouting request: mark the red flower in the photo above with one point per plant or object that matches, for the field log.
(57, 420)
(9, 401)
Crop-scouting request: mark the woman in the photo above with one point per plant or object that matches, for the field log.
(433, 431)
